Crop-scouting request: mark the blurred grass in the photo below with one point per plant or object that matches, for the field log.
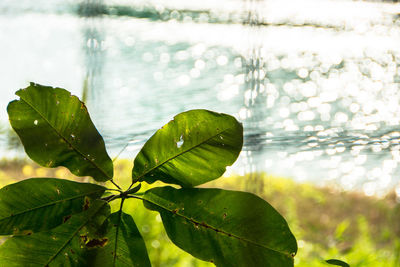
(328, 223)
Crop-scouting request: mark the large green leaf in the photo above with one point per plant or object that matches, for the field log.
(229, 228)
(125, 246)
(56, 130)
(194, 148)
(39, 204)
(64, 245)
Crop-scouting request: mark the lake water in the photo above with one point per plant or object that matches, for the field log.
(315, 83)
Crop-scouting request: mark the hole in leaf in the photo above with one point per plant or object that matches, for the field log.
(35, 122)
(86, 204)
(180, 142)
(97, 243)
(66, 218)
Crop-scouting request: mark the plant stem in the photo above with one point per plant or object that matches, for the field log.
(110, 198)
(112, 181)
(112, 189)
(132, 196)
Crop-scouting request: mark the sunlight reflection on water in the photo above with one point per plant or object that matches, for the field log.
(315, 84)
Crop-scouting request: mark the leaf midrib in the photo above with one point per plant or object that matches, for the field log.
(73, 234)
(50, 204)
(182, 152)
(65, 139)
(117, 232)
(203, 224)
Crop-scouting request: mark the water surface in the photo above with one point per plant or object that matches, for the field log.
(315, 83)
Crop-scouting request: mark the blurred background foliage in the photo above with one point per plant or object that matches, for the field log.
(327, 222)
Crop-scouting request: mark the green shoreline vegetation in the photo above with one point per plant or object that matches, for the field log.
(328, 223)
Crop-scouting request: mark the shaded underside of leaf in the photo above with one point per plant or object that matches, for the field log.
(61, 246)
(228, 228)
(125, 246)
(39, 204)
(56, 130)
(194, 148)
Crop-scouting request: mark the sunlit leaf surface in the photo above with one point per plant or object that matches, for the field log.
(194, 148)
(56, 130)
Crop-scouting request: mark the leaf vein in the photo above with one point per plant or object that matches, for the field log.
(65, 139)
(73, 235)
(181, 153)
(202, 224)
(51, 204)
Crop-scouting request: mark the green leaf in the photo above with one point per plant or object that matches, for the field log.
(125, 246)
(194, 148)
(229, 228)
(61, 246)
(56, 130)
(42, 203)
(337, 263)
